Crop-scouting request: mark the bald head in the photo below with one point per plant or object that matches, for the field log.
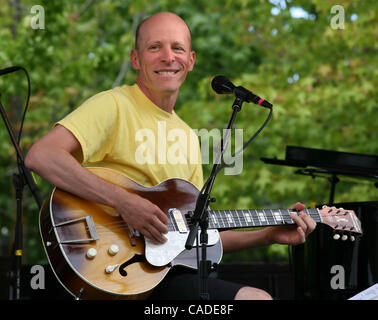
(157, 18)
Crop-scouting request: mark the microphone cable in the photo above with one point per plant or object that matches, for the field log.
(224, 164)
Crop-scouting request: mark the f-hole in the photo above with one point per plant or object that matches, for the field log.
(134, 259)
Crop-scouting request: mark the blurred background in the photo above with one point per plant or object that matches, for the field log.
(315, 64)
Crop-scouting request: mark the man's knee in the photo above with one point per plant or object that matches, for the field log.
(250, 293)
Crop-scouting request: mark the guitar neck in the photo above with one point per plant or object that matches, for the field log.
(229, 219)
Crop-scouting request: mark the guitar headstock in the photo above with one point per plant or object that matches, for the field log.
(343, 221)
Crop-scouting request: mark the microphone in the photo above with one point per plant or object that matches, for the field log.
(9, 70)
(222, 85)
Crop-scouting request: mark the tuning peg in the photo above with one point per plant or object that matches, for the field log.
(336, 236)
(344, 237)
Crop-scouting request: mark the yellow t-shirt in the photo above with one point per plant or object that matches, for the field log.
(123, 130)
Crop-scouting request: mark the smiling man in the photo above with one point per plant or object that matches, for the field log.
(163, 56)
(102, 132)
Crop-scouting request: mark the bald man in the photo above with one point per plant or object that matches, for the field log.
(103, 131)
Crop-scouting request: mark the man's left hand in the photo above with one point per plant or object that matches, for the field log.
(293, 234)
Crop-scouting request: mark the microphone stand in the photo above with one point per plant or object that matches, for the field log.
(22, 178)
(200, 215)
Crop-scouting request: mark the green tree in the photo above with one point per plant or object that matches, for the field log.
(321, 81)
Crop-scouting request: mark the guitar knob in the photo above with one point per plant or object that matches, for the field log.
(352, 238)
(344, 237)
(110, 269)
(113, 249)
(336, 236)
(91, 253)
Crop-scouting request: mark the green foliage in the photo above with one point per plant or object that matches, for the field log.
(322, 82)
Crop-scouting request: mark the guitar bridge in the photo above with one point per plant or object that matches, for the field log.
(132, 234)
(93, 236)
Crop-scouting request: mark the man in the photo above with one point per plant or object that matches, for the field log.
(105, 126)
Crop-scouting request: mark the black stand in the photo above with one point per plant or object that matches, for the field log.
(21, 179)
(200, 214)
(334, 179)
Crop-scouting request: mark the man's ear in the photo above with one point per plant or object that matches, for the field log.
(134, 59)
(192, 60)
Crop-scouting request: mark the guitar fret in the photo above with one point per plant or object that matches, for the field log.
(213, 219)
(225, 219)
(236, 218)
(270, 217)
(286, 217)
(289, 220)
(314, 213)
(277, 216)
(251, 220)
(230, 219)
(233, 219)
(248, 217)
(261, 217)
(219, 219)
(222, 213)
(255, 218)
(236, 214)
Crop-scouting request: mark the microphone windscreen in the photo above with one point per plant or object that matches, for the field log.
(221, 85)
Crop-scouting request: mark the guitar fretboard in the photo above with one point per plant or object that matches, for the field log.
(226, 219)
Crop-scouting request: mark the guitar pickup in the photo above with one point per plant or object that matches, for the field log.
(178, 220)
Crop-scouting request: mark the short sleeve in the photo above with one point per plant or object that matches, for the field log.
(94, 124)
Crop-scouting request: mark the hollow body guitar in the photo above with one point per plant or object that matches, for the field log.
(95, 255)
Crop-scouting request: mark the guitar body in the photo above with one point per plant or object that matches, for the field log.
(73, 228)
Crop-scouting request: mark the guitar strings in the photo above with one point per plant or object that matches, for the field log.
(220, 217)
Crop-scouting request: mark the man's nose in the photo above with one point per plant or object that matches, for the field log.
(168, 55)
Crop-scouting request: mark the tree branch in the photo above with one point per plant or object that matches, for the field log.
(126, 61)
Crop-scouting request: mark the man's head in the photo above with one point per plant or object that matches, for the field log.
(138, 30)
(163, 54)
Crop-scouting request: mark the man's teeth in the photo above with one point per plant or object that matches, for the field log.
(166, 72)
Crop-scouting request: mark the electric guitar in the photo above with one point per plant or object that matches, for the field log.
(95, 255)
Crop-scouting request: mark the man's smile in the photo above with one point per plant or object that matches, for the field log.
(166, 72)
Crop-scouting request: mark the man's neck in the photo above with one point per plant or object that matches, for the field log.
(165, 102)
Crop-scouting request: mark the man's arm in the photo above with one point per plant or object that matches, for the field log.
(51, 158)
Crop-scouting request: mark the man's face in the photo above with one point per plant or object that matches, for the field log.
(164, 55)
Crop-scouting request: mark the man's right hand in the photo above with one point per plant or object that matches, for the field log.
(144, 216)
